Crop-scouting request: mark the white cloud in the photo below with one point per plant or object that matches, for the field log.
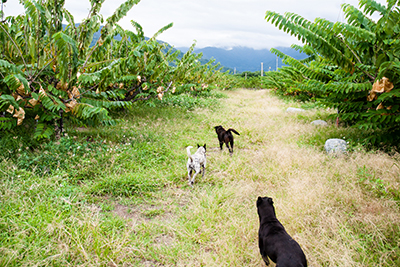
(221, 23)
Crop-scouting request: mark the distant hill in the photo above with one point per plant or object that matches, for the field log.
(203, 60)
(246, 59)
(237, 58)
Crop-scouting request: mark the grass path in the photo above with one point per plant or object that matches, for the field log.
(122, 199)
(318, 198)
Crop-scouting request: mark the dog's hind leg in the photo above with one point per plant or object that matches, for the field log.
(231, 150)
(204, 170)
(189, 174)
(227, 140)
(192, 181)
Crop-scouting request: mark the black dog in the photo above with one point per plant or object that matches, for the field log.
(225, 136)
(274, 241)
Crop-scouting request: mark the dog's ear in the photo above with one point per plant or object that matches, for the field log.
(198, 145)
(204, 146)
(270, 201)
(259, 201)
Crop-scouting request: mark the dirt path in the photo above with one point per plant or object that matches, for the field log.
(316, 197)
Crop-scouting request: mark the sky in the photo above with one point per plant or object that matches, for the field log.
(218, 23)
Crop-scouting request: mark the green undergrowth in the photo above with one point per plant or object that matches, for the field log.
(54, 194)
(320, 134)
(356, 138)
(189, 101)
(373, 185)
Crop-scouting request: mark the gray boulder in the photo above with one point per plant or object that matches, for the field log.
(335, 146)
(294, 110)
(319, 122)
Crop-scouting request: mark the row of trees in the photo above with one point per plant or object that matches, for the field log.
(49, 70)
(248, 79)
(353, 67)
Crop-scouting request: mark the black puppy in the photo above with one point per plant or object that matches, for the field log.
(273, 240)
(225, 137)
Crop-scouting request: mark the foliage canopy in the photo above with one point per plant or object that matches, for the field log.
(49, 71)
(353, 67)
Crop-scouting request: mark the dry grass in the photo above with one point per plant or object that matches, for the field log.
(318, 198)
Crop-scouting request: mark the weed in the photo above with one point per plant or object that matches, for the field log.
(153, 213)
(372, 184)
(126, 185)
(186, 101)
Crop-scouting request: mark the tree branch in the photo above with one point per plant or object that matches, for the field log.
(20, 53)
(355, 55)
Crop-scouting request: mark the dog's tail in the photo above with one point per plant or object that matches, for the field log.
(233, 130)
(188, 152)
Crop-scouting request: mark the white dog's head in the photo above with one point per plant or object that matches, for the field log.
(201, 149)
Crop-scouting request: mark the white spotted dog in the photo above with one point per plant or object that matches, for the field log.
(196, 162)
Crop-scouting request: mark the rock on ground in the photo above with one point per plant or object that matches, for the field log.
(320, 122)
(335, 146)
(294, 110)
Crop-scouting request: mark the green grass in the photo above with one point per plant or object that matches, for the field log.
(118, 195)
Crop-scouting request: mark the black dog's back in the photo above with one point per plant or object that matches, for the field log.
(225, 137)
(273, 240)
(282, 249)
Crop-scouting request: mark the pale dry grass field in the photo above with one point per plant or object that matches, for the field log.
(318, 198)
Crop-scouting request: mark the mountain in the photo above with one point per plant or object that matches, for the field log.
(246, 59)
(237, 59)
(203, 60)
